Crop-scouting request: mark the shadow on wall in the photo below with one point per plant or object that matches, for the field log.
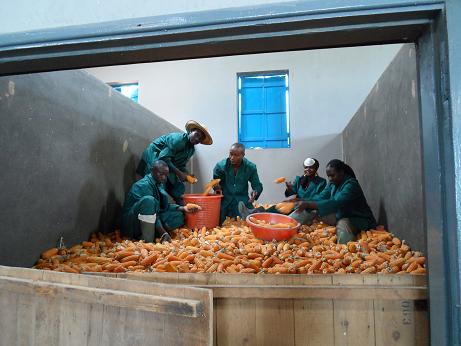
(102, 196)
(197, 170)
(110, 215)
(381, 218)
(382, 143)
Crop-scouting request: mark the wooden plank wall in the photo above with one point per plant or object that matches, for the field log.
(49, 308)
(392, 312)
(319, 322)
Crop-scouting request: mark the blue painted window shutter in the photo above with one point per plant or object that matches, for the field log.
(263, 110)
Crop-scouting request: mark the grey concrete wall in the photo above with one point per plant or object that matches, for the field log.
(69, 146)
(382, 144)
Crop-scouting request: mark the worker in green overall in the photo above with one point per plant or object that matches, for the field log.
(175, 149)
(341, 203)
(146, 212)
(307, 186)
(235, 173)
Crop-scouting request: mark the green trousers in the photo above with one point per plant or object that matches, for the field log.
(231, 209)
(174, 187)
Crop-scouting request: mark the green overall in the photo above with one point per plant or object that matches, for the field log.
(148, 197)
(315, 187)
(349, 205)
(176, 150)
(235, 186)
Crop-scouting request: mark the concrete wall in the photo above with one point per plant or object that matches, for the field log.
(24, 15)
(382, 144)
(326, 88)
(69, 145)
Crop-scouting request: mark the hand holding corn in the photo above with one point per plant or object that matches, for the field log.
(279, 180)
(253, 196)
(191, 179)
(192, 208)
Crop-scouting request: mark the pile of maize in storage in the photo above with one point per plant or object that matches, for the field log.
(233, 248)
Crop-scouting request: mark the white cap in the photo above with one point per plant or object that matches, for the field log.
(309, 162)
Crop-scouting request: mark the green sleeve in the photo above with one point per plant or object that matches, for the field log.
(296, 185)
(294, 189)
(349, 193)
(218, 171)
(325, 194)
(255, 182)
(173, 143)
(173, 206)
(321, 186)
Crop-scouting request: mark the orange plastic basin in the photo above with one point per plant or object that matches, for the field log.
(267, 233)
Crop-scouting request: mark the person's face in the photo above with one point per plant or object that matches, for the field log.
(196, 137)
(310, 171)
(335, 177)
(236, 156)
(160, 173)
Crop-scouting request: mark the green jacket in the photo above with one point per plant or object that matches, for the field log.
(174, 148)
(314, 188)
(148, 197)
(347, 201)
(147, 186)
(235, 187)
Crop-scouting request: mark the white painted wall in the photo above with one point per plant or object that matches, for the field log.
(326, 88)
(27, 15)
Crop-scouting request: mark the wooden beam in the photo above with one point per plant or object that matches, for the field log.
(269, 28)
(336, 287)
(319, 292)
(138, 301)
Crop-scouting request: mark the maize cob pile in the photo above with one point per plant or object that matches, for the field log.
(233, 248)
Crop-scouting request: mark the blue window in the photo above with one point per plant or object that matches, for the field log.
(263, 112)
(130, 90)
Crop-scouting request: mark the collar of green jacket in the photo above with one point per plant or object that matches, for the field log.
(245, 163)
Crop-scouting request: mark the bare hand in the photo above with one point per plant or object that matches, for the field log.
(190, 208)
(253, 196)
(301, 207)
(181, 176)
(217, 189)
(289, 186)
(292, 199)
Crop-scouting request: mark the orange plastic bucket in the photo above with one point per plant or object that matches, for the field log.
(209, 215)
